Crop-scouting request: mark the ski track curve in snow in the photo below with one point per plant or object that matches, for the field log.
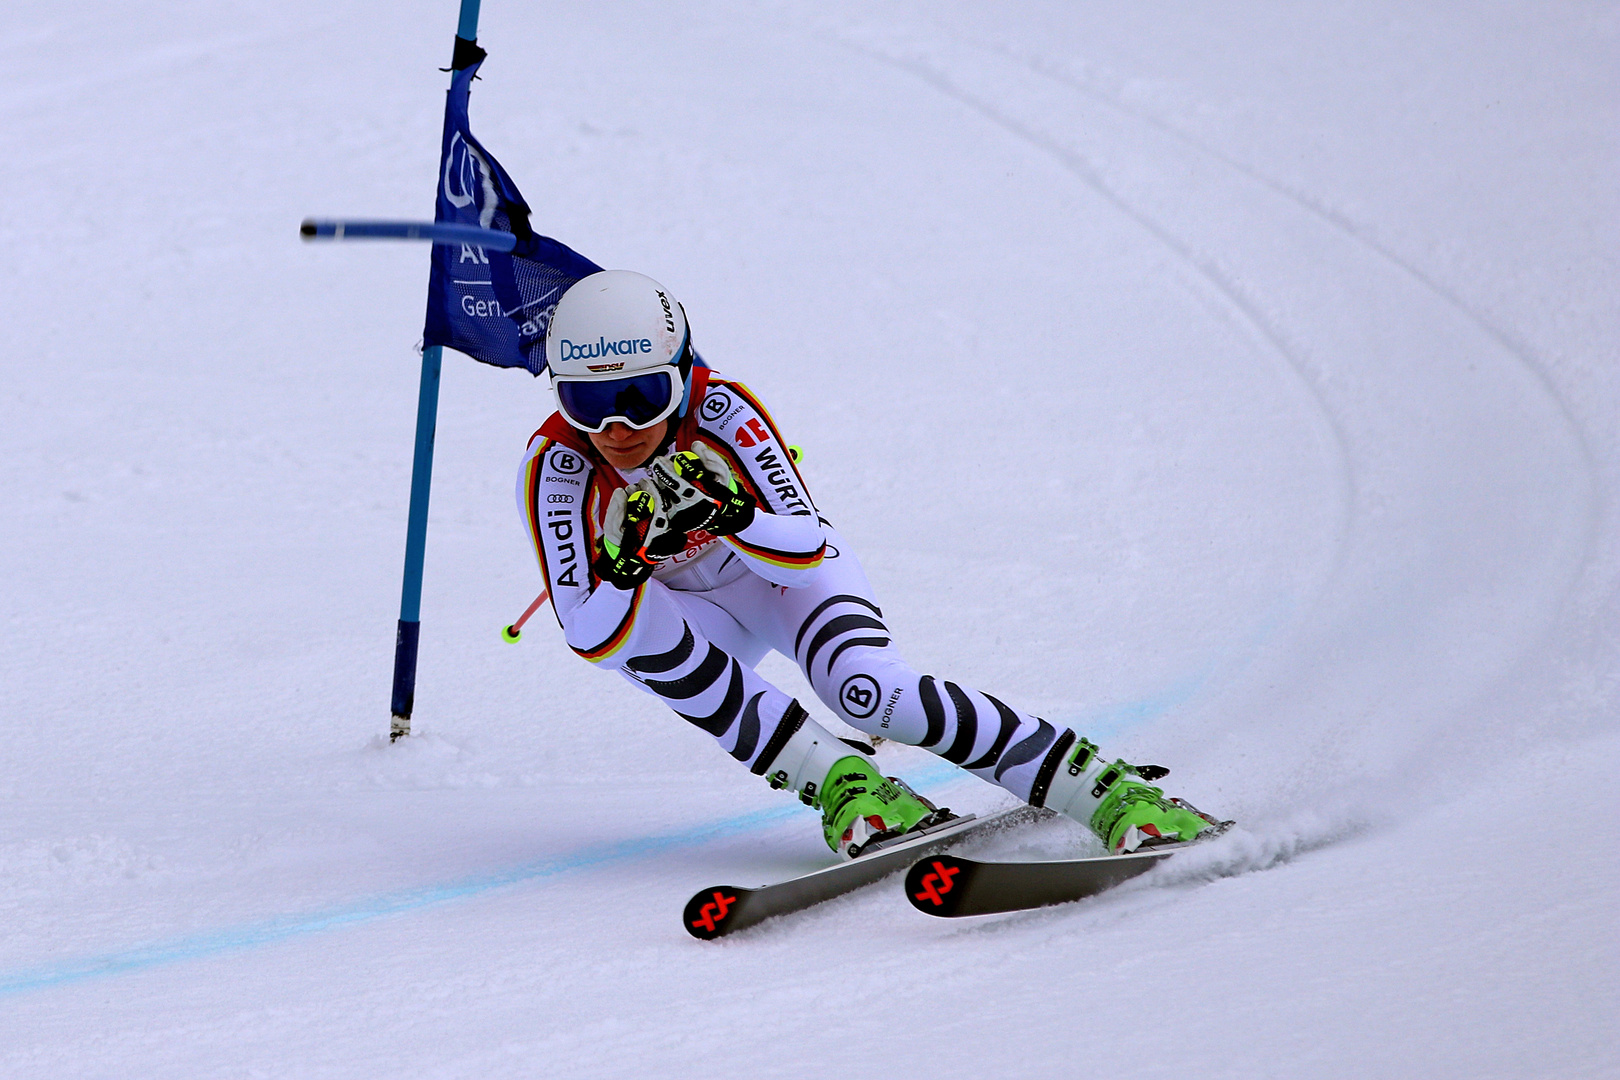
(1391, 575)
(1261, 847)
(1211, 261)
(1329, 215)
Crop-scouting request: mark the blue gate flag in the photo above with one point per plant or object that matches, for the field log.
(492, 306)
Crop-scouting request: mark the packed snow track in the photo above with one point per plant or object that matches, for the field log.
(1234, 384)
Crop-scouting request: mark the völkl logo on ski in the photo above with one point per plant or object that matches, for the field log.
(725, 909)
(936, 882)
(706, 920)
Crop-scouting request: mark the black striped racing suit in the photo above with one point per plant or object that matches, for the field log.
(692, 633)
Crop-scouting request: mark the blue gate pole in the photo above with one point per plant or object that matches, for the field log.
(427, 414)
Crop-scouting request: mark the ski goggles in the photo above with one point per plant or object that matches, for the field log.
(638, 401)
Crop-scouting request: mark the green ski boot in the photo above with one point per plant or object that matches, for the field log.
(1118, 804)
(1136, 815)
(860, 806)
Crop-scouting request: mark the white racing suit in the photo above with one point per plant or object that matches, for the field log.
(692, 633)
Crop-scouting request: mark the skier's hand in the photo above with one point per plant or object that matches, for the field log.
(700, 492)
(635, 537)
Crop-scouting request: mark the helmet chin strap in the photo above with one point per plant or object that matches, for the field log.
(686, 391)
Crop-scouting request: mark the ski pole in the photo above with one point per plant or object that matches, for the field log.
(515, 630)
(447, 233)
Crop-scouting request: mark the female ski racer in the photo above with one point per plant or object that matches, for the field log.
(680, 545)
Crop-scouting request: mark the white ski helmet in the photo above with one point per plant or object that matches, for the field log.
(618, 349)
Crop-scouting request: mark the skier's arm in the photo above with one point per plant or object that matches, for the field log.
(599, 621)
(784, 542)
(784, 550)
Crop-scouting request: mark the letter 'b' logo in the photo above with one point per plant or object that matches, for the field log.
(859, 696)
(715, 404)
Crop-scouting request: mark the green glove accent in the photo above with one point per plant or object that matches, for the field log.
(626, 564)
(725, 506)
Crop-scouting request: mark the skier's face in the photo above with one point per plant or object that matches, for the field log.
(625, 447)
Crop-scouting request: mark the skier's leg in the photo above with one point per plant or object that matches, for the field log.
(678, 659)
(715, 624)
(835, 631)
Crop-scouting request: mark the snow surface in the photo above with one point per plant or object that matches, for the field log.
(1237, 382)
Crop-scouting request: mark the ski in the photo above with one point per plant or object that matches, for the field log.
(725, 909)
(950, 887)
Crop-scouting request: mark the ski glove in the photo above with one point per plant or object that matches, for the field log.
(635, 537)
(697, 487)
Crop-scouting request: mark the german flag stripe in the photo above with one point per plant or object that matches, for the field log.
(765, 414)
(616, 641)
(531, 488)
(739, 469)
(788, 560)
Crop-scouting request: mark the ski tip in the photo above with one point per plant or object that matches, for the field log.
(936, 885)
(1220, 829)
(708, 914)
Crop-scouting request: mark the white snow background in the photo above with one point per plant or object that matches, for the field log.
(1236, 382)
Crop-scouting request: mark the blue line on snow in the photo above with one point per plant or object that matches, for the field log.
(215, 943)
(199, 946)
(245, 937)
(1105, 723)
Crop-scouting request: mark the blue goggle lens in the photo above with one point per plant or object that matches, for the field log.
(639, 401)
